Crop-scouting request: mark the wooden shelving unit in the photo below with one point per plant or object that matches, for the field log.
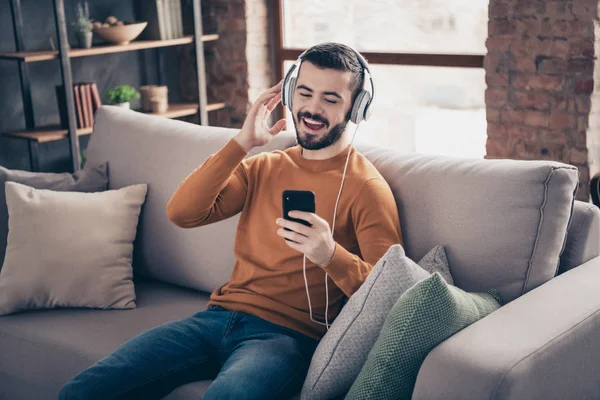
(53, 133)
(34, 56)
(37, 135)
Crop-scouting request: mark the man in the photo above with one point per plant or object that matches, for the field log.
(256, 338)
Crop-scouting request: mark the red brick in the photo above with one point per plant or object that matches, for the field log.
(526, 151)
(498, 44)
(524, 46)
(492, 115)
(501, 27)
(535, 118)
(497, 9)
(552, 48)
(493, 80)
(496, 97)
(559, 102)
(498, 149)
(552, 138)
(537, 82)
(561, 121)
(583, 9)
(579, 138)
(511, 116)
(582, 48)
(527, 133)
(578, 156)
(524, 64)
(236, 25)
(549, 65)
(582, 123)
(529, 8)
(581, 65)
(558, 9)
(496, 63)
(584, 86)
(583, 104)
(528, 27)
(566, 28)
(536, 101)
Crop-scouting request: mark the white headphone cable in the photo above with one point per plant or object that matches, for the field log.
(326, 324)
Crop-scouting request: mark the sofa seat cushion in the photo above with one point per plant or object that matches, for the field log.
(41, 350)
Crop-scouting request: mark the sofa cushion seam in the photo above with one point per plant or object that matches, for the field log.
(539, 228)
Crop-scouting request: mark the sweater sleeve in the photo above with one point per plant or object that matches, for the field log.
(214, 191)
(377, 227)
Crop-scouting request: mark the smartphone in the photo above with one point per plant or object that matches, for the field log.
(300, 200)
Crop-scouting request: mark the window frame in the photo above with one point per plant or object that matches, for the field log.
(283, 54)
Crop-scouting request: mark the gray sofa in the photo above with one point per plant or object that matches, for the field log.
(504, 224)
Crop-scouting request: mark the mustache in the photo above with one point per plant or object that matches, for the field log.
(315, 117)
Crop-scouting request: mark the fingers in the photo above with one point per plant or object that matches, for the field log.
(278, 127)
(271, 104)
(312, 218)
(296, 237)
(294, 226)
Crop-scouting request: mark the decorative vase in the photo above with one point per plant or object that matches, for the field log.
(123, 105)
(84, 39)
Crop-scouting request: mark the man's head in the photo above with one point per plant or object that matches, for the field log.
(329, 78)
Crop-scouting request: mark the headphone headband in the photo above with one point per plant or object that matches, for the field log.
(363, 104)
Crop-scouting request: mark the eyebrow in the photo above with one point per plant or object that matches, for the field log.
(325, 93)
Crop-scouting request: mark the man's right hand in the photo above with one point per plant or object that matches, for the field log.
(255, 131)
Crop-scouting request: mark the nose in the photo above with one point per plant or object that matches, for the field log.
(313, 105)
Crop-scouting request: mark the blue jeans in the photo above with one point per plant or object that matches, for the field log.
(248, 358)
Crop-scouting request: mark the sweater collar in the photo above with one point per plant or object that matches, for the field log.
(335, 162)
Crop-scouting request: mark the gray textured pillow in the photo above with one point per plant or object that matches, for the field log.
(69, 249)
(89, 179)
(344, 349)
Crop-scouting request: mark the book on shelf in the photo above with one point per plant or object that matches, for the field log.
(86, 99)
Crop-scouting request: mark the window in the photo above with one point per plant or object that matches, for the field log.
(426, 57)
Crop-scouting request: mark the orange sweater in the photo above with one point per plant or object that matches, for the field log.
(267, 280)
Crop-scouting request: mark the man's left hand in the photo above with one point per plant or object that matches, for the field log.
(316, 241)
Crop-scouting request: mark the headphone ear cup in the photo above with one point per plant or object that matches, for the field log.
(285, 89)
(290, 92)
(358, 109)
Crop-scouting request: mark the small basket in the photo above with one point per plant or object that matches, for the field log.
(153, 92)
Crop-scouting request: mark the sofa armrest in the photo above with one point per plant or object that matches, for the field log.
(543, 345)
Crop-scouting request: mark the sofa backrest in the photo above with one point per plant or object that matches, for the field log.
(503, 222)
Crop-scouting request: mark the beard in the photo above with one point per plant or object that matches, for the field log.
(311, 142)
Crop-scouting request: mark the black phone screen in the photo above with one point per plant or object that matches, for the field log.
(300, 200)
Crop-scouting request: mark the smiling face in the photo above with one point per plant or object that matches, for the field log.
(321, 105)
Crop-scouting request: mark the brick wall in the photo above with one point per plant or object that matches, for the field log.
(237, 65)
(540, 73)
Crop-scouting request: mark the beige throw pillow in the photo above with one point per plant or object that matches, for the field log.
(69, 249)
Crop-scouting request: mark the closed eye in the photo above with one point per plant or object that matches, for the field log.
(331, 101)
(304, 95)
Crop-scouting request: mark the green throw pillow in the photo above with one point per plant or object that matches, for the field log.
(423, 317)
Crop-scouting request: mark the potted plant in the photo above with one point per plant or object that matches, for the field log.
(83, 28)
(121, 95)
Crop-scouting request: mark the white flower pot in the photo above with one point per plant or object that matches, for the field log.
(123, 105)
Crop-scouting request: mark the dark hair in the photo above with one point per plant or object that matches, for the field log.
(340, 57)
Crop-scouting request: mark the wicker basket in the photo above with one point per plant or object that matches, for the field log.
(153, 92)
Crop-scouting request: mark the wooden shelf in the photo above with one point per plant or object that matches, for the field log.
(51, 134)
(34, 56)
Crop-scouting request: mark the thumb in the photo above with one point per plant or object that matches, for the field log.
(278, 127)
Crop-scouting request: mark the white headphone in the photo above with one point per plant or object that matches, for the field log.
(363, 105)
